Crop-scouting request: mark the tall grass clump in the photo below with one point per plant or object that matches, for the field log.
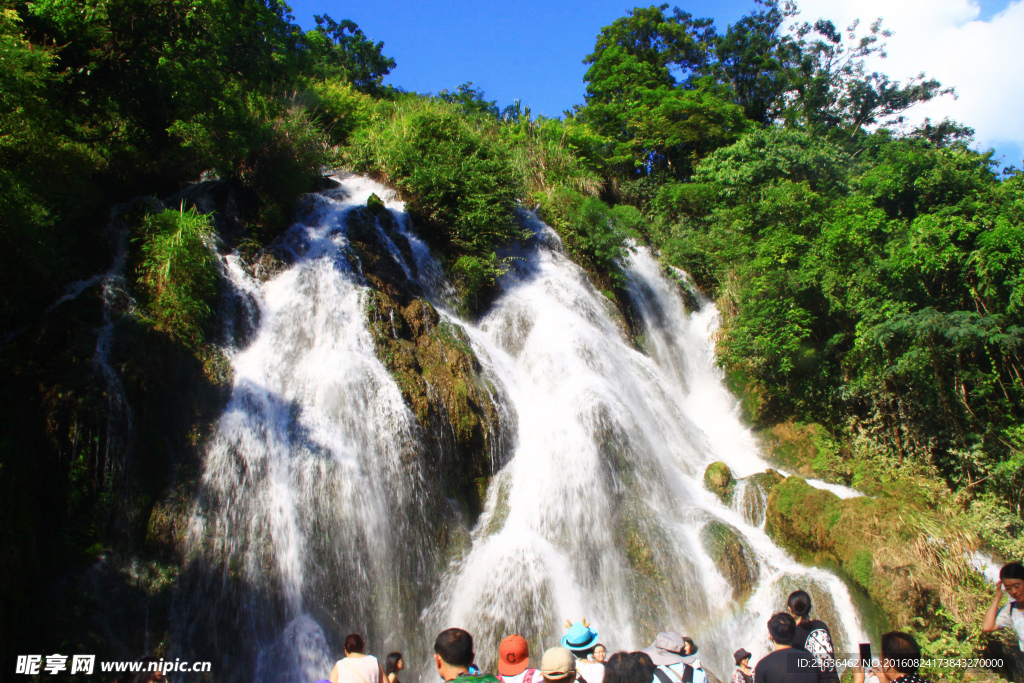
(178, 272)
(339, 108)
(285, 164)
(551, 154)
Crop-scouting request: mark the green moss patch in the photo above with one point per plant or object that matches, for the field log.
(719, 480)
(908, 556)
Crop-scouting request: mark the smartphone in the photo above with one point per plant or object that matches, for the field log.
(865, 655)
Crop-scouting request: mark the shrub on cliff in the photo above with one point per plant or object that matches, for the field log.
(339, 108)
(177, 275)
(594, 233)
(459, 177)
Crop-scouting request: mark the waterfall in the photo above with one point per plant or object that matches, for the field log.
(316, 515)
(311, 506)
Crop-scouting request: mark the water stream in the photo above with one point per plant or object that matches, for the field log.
(316, 517)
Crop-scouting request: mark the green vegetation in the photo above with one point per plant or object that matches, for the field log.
(593, 232)
(907, 551)
(460, 178)
(178, 271)
(870, 281)
(882, 291)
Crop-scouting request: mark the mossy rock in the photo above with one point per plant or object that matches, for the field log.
(755, 494)
(441, 379)
(910, 561)
(654, 575)
(433, 364)
(375, 204)
(735, 561)
(808, 449)
(719, 480)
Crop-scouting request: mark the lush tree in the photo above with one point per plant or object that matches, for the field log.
(666, 44)
(342, 51)
(831, 89)
(752, 58)
(471, 100)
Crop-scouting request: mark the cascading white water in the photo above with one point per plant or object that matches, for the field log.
(312, 495)
(314, 514)
(601, 510)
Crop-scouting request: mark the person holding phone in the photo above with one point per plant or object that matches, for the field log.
(901, 656)
(1011, 580)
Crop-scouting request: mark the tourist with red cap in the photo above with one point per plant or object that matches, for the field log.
(514, 661)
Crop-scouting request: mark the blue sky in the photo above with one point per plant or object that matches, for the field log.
(534, 50)
(529, 50)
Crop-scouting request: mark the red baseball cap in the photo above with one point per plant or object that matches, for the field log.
(513, 656)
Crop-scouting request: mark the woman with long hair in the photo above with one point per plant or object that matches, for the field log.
(392, 665)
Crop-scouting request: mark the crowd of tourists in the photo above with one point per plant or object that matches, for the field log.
(803, 652)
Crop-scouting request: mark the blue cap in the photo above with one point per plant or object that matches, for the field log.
(579, 638)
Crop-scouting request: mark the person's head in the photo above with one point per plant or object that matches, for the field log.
(645, 661)
(558, 664)
(799, 604)
(580, 639)
(782, 629)
(453, 652)
(742, 657)
(513, 656)
(629, 667)
(354, 644)
(1012, 578)
(394, 663)
(600, 653)
(689, 647)
(900, 652)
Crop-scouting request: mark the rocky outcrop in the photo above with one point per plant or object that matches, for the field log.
(909, 560)
(732, 557)
(431, 360)
(719, 480)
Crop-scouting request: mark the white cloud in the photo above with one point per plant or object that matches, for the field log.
(982, 60)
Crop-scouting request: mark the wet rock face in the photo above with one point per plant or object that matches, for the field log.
(432, 362)
(719, 480)
(732, 557)
(754, 498)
